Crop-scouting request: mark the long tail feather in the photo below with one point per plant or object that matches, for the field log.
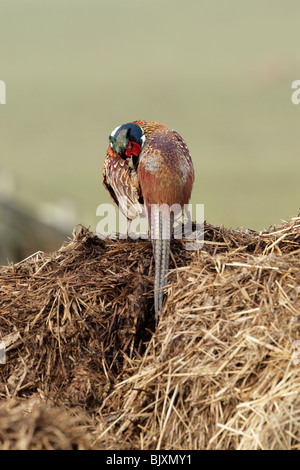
(161, 234)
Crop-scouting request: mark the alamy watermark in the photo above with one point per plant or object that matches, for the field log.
(296, 94)
(2, 92)
(138, 227)
(2, 353)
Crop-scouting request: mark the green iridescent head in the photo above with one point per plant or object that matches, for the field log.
(127, 140)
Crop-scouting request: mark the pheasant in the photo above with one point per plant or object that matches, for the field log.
(148, 168)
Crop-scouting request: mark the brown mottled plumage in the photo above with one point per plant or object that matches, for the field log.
(162, 173)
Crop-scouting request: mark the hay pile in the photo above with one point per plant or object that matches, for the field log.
(85, 369)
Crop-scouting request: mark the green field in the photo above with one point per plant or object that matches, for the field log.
(219, 73)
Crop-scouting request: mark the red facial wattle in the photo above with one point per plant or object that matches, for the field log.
(133, 149)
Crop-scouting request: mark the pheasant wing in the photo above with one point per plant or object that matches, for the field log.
(122, 183)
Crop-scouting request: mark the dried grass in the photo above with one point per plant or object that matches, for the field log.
(220, 372)
(30, 425)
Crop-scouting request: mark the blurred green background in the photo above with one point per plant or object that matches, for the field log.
(219, 72)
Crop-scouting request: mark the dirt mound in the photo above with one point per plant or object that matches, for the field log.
(221, 370)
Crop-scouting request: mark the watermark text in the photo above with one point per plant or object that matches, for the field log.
(166, 222)
(296, 94)
(2, 352)
(2, 92)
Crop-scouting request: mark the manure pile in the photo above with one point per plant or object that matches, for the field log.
(85, 369)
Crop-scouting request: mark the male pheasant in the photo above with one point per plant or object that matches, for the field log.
(149, 167)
